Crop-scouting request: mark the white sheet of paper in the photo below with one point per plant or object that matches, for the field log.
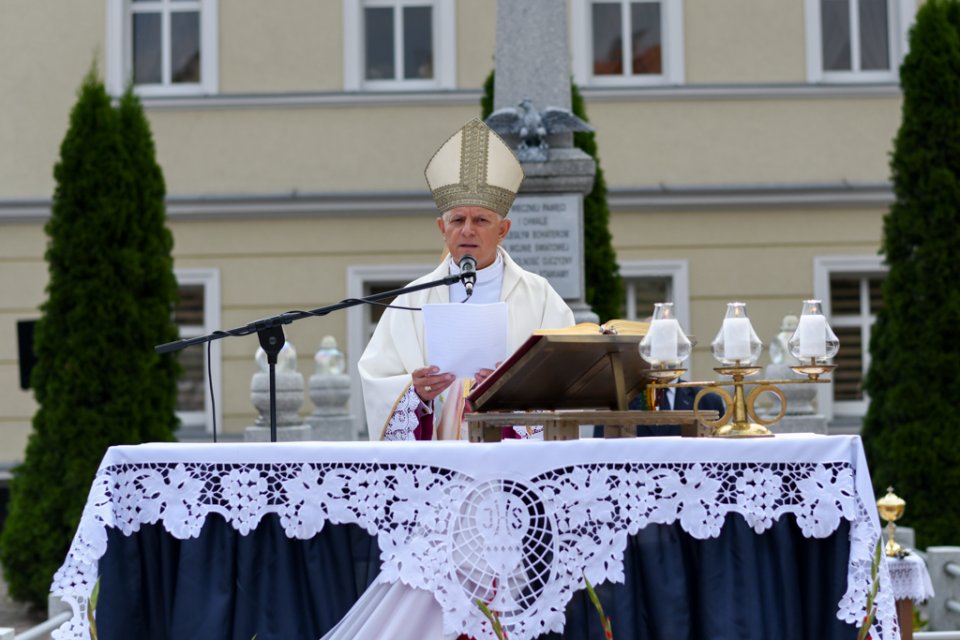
(464, 338)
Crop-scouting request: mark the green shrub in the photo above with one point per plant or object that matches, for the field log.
(912, 429)
(110, 292)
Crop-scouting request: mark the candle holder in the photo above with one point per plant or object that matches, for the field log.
(736, 421)
(665, 346)
(814, 370)
(737, 347)
(662, 378)
(664, 375)
(891, 508)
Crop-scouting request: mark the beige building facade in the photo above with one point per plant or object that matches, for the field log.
(745, 146)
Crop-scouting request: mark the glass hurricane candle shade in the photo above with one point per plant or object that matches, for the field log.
(736, 343)
(813, 340)
(665, 346)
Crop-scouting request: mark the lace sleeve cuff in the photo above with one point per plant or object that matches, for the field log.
(405, 418)
(411, 420)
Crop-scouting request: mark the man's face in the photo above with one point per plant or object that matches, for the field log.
(475, 231)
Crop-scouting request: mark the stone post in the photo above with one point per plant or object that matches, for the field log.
(533, 63)
(330, 392)
(944, 609)
(289, 398)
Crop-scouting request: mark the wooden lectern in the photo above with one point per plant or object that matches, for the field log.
(563, 381)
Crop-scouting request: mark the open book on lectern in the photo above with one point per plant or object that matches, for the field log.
(580, 367)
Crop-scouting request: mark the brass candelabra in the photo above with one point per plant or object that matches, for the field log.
(737, 348)
(740, 418)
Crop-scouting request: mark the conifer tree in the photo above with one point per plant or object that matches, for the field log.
(156, 286)
(601, 272)
(110, 292)
(912, 428)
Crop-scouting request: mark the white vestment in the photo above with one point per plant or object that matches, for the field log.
(397, 611)
(398, 346)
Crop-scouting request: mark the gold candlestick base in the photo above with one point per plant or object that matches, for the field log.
(743, 408)
(746, 430)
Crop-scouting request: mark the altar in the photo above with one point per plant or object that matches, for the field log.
(518, 525)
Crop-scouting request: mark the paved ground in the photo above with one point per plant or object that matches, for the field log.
(16, 615)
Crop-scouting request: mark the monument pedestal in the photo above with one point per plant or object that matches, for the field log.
(547, 233)
(533, 72)
(567, 170)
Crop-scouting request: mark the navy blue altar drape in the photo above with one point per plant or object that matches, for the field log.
(776, 585)
(741, 585)
(223, 585)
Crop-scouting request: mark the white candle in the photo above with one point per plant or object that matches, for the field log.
(812, 331)
(663, 339)
(736, 338)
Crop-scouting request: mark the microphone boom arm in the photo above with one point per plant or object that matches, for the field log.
(270, 331)
(292, 316)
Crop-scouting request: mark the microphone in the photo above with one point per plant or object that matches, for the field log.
(468, 273)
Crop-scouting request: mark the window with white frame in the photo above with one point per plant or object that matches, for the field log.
(857, 40)
(850, 289)
(626, 42)
(197, 313)
(362, 319)
(162, 47)
(640, 294)
(649, 281)
(399, 44)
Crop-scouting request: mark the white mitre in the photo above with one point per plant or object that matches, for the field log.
(474, 168)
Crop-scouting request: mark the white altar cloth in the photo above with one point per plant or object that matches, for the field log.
(517, 523)
(910, 579)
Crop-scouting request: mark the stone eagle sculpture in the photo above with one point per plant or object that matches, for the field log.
(532, 127)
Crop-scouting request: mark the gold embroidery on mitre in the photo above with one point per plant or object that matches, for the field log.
(472, 188)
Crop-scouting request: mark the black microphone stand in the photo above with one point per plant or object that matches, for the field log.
(270, 332)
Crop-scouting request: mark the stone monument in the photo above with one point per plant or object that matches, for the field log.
(289, 398)
(532, 96)
(330, 392)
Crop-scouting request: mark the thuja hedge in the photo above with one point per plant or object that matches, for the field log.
(912, 428)
(604, 291)
(110, 293)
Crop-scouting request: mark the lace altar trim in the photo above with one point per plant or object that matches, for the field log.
(521, 544)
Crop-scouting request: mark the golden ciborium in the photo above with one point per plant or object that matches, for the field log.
(891, 508)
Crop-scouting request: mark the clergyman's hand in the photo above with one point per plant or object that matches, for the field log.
(428, 382)
(482, 375)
